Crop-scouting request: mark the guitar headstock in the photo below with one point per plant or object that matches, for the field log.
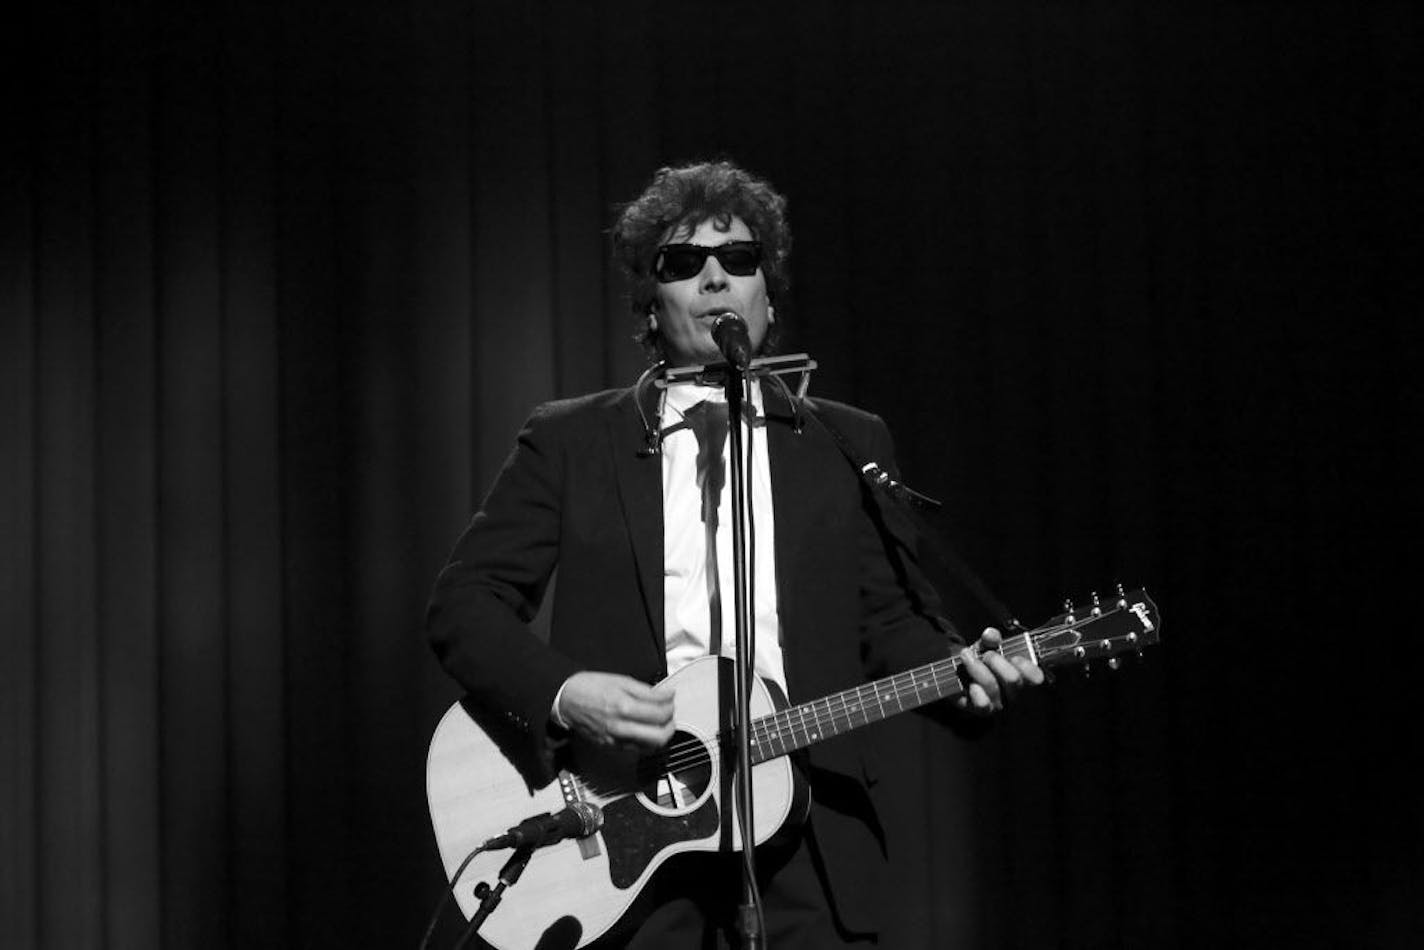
(1098, 631)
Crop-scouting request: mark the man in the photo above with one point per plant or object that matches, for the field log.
(621, 491)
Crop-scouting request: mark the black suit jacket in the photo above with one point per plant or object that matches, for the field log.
(578, 493)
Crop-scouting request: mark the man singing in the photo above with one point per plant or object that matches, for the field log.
(627, 493)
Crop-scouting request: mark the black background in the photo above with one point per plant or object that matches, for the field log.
(1134, 285)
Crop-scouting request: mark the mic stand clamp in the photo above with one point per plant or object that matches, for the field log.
(490, 897)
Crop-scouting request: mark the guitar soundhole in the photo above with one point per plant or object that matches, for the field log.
(679, 778)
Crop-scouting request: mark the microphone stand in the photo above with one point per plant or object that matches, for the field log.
(749, 913)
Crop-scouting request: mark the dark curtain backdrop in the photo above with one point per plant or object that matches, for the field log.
(1135, 285)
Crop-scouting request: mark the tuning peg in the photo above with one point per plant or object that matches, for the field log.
(1114, 663)
(1068, 610)
(1121, 595)
(1097, 605)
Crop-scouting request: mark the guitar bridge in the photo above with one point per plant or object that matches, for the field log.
(568, 786)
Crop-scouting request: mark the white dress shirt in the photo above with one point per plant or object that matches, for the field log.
(686, 606)
(686, 610)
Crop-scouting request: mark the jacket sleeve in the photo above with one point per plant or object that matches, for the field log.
(492, 585)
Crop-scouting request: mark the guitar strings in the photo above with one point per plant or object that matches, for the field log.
(767, 729)
(810, 718)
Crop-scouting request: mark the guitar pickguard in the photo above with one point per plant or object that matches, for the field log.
(634, 835)
(650, 802)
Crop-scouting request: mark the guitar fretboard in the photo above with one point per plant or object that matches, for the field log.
(800, 726)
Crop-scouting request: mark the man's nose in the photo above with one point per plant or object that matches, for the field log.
(713, 277)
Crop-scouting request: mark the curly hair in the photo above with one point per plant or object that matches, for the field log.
(686, 196)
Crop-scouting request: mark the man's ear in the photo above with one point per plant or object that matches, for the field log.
(652, 318)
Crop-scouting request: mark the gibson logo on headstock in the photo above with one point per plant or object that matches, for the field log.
(1140, 610)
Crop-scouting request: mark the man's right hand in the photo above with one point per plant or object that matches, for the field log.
(610, 709)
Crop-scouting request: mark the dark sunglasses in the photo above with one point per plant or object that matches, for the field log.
(681, 261)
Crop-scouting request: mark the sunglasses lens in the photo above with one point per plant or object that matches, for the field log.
(681, 261)
(740, 260)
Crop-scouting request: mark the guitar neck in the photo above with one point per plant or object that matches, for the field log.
(800, 726)
(1075, 638)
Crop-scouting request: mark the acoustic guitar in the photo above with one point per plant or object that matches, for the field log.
(654, 807)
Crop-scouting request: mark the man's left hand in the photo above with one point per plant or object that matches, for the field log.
(993, 679)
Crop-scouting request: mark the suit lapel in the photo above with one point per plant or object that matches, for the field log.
(793, 473)
(640, 494)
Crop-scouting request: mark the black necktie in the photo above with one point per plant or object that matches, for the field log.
(708, 422)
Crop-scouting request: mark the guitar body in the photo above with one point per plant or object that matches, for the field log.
(653, 808)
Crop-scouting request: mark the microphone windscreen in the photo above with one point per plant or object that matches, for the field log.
(730, 334)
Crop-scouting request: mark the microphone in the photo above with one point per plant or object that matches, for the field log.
(579, 820)
(729, 332)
